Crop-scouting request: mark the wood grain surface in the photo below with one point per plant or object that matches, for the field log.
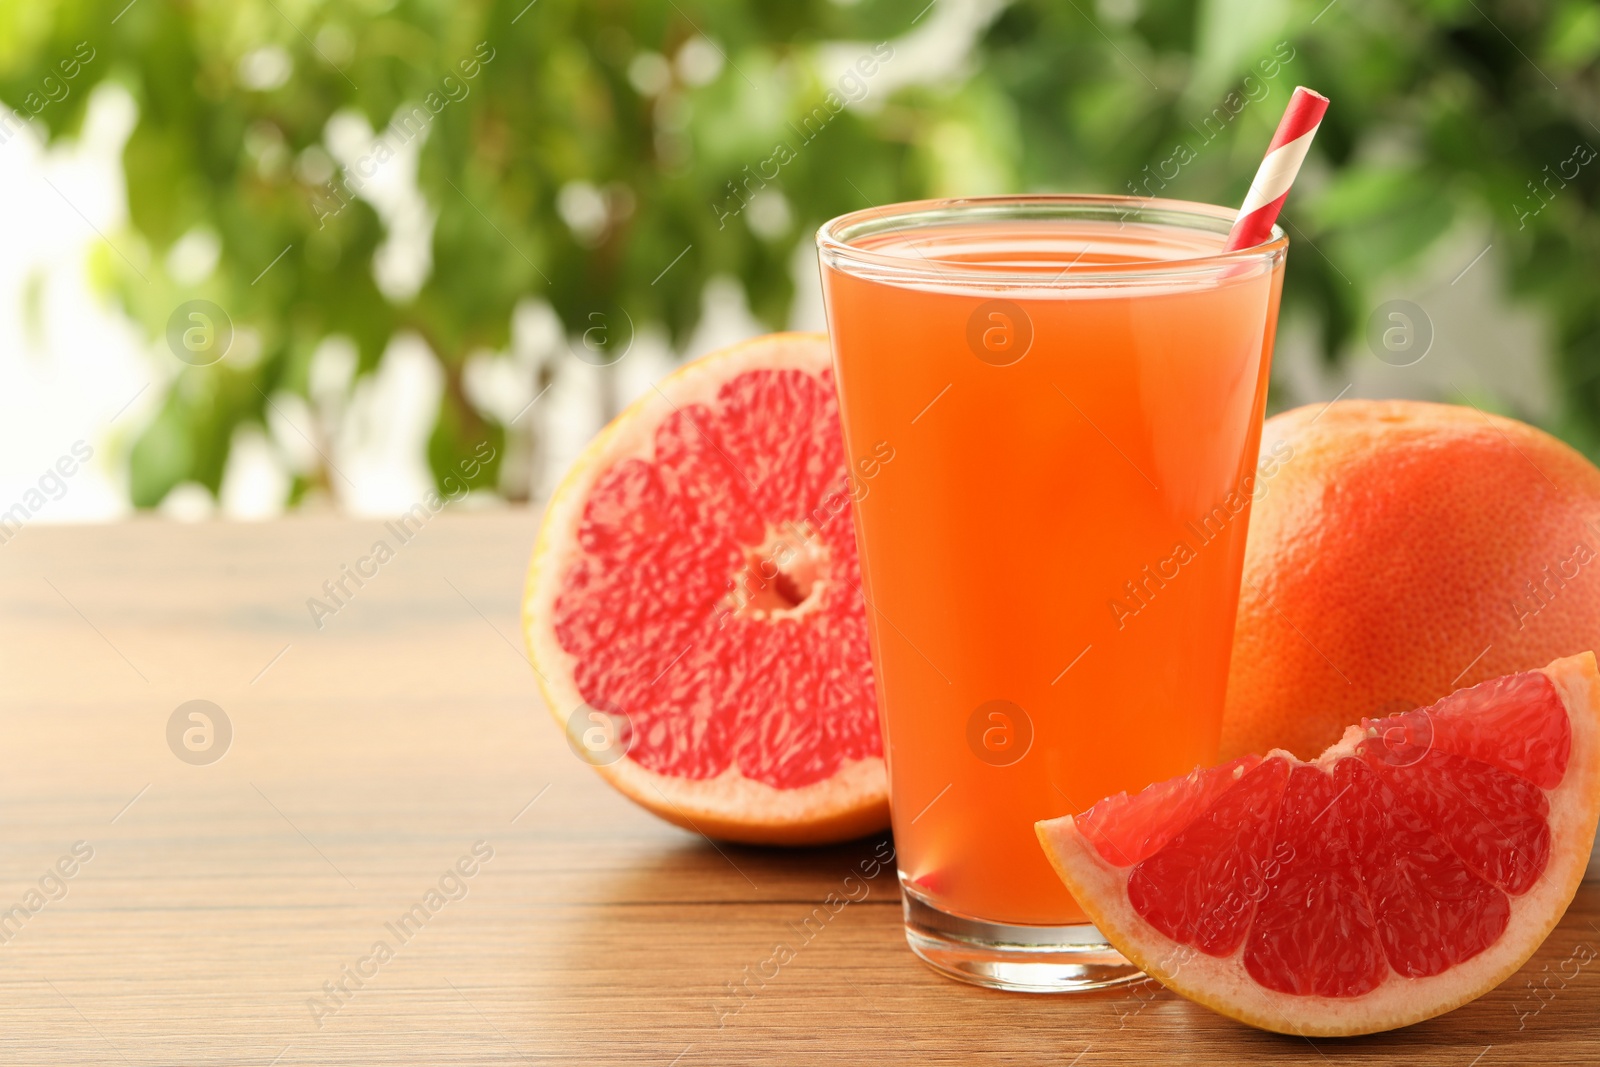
(370, 757)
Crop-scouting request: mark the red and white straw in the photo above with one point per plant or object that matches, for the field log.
(1284, 156)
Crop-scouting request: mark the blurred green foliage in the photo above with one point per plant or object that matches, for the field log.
(1444, 110)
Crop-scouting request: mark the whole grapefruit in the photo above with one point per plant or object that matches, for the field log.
(1398, 551)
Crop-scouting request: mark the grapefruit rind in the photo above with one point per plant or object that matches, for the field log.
(852, 802)
(1223, 985)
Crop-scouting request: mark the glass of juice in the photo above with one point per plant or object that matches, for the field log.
(1056, 405)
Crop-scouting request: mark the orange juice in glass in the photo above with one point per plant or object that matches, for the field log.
(1072, 388)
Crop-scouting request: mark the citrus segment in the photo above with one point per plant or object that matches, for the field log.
(1516, 722)
(1128, 829)
(1193, 888)
(696, 581)
(1410, 868)
(1314, 930)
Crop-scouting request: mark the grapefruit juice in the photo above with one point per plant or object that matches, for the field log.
(1070, 391)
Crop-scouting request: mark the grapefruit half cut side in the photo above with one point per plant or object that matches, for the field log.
(1412, 867)
(693, 608)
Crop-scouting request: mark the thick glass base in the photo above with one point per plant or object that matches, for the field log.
(1021, 959)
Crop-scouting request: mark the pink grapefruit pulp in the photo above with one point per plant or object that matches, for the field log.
(694, 609)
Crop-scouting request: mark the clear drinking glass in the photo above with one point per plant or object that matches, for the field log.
(1059, 401)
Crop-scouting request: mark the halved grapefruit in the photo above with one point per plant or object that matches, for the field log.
(694, 609)
(1412, 867)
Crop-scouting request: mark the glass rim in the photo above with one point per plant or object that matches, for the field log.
(834, 239)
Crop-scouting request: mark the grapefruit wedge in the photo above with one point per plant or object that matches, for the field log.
(1412, 867)
(693, 609)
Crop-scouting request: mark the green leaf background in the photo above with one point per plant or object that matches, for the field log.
(1443, 114)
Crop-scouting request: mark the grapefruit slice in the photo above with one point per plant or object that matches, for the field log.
(1412, 867)
(693, 609)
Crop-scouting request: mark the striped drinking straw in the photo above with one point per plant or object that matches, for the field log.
(1284, 156)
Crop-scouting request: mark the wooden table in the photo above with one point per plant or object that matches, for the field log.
(370, 756)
